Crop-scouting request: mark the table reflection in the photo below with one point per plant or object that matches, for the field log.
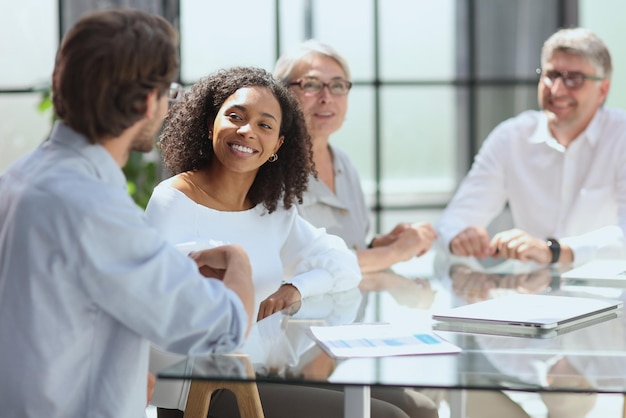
(586, 360)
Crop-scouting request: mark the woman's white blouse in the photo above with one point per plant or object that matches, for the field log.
(282, 246)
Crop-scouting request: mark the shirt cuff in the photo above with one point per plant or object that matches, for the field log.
(606, 242)
(310, 283)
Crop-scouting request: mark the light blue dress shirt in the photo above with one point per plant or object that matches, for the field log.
(85, 282)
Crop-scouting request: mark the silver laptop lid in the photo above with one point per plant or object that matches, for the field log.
(543, 312)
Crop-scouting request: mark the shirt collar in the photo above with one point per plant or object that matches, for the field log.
(318, 192)
(101, 162)
(594, 129)
(592, 133)
(338, 163)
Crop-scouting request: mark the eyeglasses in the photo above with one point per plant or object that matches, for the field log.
(312, 85)
(571, 79)
(175, 92)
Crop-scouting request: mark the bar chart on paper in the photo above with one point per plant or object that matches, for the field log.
(379, 340)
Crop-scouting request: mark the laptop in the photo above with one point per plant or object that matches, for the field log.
(611, 273)
(527, 315)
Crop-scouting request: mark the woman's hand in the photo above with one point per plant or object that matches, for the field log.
(319, 368)
(151, 384)
(285, 296)
(408, 240)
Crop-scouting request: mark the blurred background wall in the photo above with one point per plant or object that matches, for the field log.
(432, 77)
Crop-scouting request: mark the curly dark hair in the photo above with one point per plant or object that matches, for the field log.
(185, 145)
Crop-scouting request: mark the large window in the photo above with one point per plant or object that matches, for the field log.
(400, 129)
(432, 77)
(605, 18)
(30, 36)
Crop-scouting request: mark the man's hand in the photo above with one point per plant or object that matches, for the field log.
(214, 262)
(473, 241)
(285, 296)
(533, 282)
(231, 264)
(520, 245)
(471, 285)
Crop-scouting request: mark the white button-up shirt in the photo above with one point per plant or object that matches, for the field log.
(575, 194)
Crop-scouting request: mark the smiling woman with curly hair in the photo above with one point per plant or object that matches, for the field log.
(186, 143)
(240, 155)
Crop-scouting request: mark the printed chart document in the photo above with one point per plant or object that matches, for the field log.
(379, 340)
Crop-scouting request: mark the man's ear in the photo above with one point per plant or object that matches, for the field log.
(605, 86)
(152, 104)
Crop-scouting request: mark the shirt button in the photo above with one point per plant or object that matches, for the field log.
(343, 211)
(356, 247)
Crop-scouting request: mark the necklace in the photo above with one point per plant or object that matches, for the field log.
(211, 201)
(187, 178)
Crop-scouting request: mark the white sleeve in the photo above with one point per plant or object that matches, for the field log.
(606, 242)
(171, 213)
(316, 262)
(482, 194)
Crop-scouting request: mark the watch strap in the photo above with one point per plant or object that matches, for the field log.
(555, 249)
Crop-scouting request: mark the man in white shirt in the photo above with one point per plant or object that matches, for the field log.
(85, 282)
(561, 170)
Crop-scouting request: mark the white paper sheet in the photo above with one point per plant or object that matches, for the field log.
(379, 340)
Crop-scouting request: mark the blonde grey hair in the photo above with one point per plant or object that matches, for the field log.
(581, 42)
(283, 69)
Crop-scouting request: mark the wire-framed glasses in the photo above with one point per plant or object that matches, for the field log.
(571, 79)
(312, 85)
(175, 92)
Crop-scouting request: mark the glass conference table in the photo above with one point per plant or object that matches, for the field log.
(591, 359)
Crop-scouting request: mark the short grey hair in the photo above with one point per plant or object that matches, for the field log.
(285, 64)
(581, 42)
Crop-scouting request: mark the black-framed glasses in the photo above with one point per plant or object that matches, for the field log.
(312, 85)
(571, 79)
(175, 92)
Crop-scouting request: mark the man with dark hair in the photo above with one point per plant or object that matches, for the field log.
(85, 282)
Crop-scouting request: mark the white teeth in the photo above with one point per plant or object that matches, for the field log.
(241, 148)
(560, 105)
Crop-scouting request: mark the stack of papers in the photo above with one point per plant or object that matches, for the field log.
(379, 340)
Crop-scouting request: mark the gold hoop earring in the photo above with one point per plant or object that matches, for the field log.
(273, 158)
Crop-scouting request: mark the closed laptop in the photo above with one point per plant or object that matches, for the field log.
(537, 315)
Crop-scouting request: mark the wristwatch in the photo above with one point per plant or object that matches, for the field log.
(555, 249)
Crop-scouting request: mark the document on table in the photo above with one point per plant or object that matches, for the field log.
(379, 340)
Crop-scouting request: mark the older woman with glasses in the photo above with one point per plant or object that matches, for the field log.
(320, 78)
